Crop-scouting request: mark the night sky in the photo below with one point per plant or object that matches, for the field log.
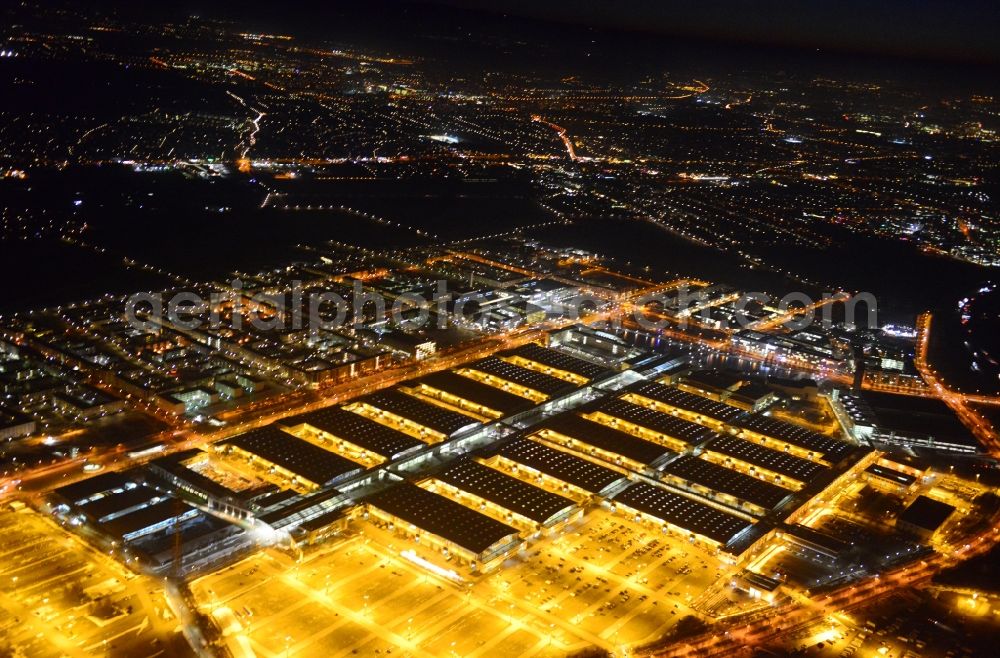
(957, 30)
(950, 29)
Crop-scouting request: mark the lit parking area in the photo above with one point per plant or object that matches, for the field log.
(607, 582)
(61, 597)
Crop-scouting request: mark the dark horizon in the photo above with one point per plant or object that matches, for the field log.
(900, 28)
(930, 31)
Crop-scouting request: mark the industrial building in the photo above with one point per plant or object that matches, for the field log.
(729, 387)
(156, 514)
(782, 468)
(725, 485)
(557, 364)
(574, 431)
(301, 462)
(596, 345)
(95, 488)
(768, 431)
(925, 517)
(201, 543)
(674, 432)
(451, 528)
(429, 422)
(544, 509)
(570, 472)
(884, 419)
(781, 435)
(753, 396)
(310, 517)
(687, 405)
(716, 385)
(338, 424)
(130, 516)
(803, 346)
(174, 473)
(683, 515)
(15, 424)
(504, 371)
(481, 400)
(894, 481)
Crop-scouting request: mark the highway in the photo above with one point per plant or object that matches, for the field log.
(42, 478)
(182, 435)
(798, 311)
(243, 161)
(561, 132)
(958, 402)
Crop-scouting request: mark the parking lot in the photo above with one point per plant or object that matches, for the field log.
(60, 597)
(608, 582)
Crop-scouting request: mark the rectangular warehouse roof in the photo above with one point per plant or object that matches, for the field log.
(478, 393)
(683, 512)
(422, 413)
(904, 479)
(78, 492)
(165, 511)
(927, 513)
(651, 419)
(561, 465)
(293, 454)
(302, 507)
(174, 465)
(829, 448)
(361, 431)
(441, 516)
(506, 491)
(605, 438)
(108, 507)
(782, 463)
(536, 381)
(687, 401)
(558, 360)
(911, 417)
(727, 481)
